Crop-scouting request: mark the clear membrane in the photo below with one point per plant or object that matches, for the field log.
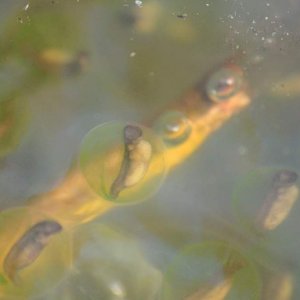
(211, 266)
(101, 158)
(51, 264)
(250, 195)
(108, 265)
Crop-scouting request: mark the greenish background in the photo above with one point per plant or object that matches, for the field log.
(118, 87)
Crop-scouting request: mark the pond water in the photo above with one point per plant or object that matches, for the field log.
(69, 66)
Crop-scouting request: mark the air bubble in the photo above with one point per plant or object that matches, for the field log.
(174, 127)
(223, 84)
(32, 277)
(211, 269)
(119, 171)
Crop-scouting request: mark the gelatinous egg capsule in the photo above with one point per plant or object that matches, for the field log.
(279, 201)
(123, 163)
(217, 292)
(108, 264)
(174, 127)
(29, 247)
(210, 270)
(31, 243)
(223, 84)
(280, 286)
(264, 198)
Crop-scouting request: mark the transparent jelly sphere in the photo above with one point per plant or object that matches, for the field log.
(211, 269)
(266, 198)
(120, 172)
(174, 127)
(107, 265)
(223, 84)
(27, 269)
(256, 195)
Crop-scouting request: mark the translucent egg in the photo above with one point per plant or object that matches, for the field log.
(36, 269)
(280, 286)
(223, 84)
(108, 265)
(256, 194)
(122, 172)
(249, 195)
(174, 127)
(211, 270)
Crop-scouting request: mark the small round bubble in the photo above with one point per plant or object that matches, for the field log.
(223, 84)
(211, 268)
(123, 163)
(34, 276)
(174, 127)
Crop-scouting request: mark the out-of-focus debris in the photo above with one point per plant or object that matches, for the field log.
(138, 3)
(289, 86)
(181, 31)
(182, 16)
(145, 18)
(61, 61)
(280, 287)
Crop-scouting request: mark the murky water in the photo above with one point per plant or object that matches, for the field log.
(140, 57)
